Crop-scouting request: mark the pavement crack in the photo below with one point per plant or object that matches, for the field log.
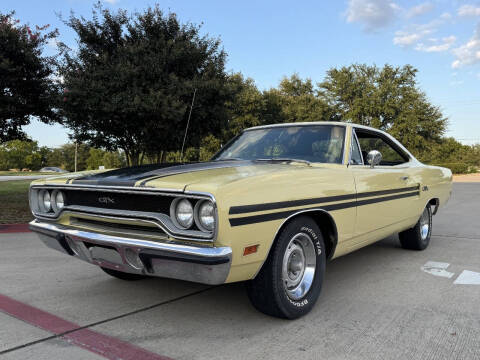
(60, 335)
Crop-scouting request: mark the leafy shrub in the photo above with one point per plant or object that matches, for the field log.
(472, 169)
(456, 168)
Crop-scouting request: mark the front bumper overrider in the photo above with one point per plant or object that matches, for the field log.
(207, 265)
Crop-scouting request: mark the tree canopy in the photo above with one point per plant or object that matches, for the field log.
(388, 99)
(131, 81)
(27, 87)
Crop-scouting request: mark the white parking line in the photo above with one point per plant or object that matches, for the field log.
(437, 269)
(468, 278)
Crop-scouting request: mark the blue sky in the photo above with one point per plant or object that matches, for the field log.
(267, 40)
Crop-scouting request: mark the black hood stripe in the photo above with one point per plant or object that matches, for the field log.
(130, 176)
(183, 169)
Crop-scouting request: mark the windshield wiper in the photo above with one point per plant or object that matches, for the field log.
(285, 160)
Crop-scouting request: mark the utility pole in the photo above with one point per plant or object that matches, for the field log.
(76, 150)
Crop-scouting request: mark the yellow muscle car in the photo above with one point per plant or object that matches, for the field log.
(270, 208)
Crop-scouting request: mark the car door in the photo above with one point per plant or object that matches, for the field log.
(384, 192)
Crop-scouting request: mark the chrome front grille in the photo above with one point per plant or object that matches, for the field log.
(147, 210)
(148, 230)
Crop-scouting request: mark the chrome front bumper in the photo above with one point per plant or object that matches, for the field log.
(207, 265)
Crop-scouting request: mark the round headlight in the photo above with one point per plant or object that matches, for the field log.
(47, 204)
(184, 213)
(59, 200)
(205, 215)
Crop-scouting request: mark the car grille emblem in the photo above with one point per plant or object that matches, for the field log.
(106, 200)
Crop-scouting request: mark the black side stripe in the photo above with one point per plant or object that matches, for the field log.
(285, 204)
(332, 207)
(292, 203)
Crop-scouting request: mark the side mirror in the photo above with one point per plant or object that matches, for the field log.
(374, 158)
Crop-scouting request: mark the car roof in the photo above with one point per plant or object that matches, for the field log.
(314, 123)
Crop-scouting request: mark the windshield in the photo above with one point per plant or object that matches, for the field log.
(321, 143)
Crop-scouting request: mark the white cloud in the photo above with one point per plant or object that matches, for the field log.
(404, 38)
(468, 10)
(372, 14)
(468, 53)
(111, 1)
(455, 83)
(414, 34)
(446, 16)
(436, 46)
(420, 9)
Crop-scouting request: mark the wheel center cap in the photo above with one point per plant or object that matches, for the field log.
(296, 265)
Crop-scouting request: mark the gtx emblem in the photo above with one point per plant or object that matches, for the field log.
(106, 200)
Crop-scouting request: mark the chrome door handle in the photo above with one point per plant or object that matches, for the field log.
(404, 178)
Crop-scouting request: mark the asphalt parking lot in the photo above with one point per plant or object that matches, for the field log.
(377, 303)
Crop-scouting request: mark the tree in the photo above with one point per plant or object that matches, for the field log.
(210, 145)
(113, 159)
(130, 84)
(26, 85)
(44, 153)
(295, 100)
(388, 99)
(64, 157)
(95, 159)
(68, 156)
(300, 102)
(55, 158)
(246, 108)
(18, 154)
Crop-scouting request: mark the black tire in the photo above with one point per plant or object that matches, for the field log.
(123, 275)
(412, 239)
(267, 290)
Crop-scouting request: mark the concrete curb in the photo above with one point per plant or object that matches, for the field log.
(13, 228)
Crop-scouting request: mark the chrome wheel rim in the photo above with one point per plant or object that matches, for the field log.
(424, 224)
(298, 268)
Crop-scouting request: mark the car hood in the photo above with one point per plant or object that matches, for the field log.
(176, 176)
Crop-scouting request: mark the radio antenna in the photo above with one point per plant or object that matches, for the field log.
(188, 123)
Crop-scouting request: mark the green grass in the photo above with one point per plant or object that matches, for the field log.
(24, 173)
(14, 208)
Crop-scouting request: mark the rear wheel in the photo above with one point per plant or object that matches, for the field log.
(123, 275)
(290, 281)
(418, 237)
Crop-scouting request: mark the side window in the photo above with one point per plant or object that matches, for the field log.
(355, 154)
(370, 141)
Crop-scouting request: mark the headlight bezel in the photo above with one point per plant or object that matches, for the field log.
(198, 218)
(39, 206)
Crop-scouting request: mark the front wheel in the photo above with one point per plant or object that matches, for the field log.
(290, 281)
(418, 237)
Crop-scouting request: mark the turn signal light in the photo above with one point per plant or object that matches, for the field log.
(250, 250)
